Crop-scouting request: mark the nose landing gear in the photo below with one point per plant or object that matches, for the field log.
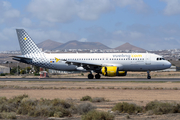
(148, 75)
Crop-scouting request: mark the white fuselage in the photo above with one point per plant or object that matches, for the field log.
(124, 61)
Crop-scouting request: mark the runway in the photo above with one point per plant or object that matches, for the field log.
(94, 80)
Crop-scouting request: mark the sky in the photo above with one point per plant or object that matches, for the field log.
(149, 24)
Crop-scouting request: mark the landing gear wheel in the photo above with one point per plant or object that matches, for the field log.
(148, 75)
(97, 76)
(90, 76)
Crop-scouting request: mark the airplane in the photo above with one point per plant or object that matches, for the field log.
(107, 64)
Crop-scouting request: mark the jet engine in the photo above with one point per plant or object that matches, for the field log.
(112, 71)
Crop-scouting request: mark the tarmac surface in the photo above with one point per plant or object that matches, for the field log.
(92, 80)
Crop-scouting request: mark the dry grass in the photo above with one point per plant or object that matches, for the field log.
(139, 93)
(129, 91)
(135, 96)
(90, 85)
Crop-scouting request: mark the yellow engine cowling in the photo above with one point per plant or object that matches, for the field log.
(112, 71)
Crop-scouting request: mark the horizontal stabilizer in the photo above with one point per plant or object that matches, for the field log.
(21, 57)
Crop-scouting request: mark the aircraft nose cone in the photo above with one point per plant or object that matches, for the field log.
(168, 64)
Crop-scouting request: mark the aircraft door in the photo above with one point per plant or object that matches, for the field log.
(148, 59)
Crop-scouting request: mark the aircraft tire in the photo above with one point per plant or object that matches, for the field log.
(148, 77)
(97, 76)
(90, 76)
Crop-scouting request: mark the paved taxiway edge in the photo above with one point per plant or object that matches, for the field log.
(94, 80)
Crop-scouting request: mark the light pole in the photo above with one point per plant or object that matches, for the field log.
(26, 68)
(17, 69)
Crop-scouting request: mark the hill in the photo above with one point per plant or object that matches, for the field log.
(128, 46)
(48, 44)
(81, 45)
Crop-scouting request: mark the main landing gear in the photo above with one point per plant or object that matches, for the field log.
(97, 76)
(148, 75)
(91, 76)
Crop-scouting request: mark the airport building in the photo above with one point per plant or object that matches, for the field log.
(57, 72)
(4, 69)
(50, 71)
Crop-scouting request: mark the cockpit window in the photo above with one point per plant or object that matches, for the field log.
(160, 59)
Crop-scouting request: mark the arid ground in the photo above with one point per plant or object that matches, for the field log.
(139, 93)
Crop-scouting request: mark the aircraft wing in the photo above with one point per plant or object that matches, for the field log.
(86, 65)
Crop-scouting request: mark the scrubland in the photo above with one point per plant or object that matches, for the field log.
(89, 100)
